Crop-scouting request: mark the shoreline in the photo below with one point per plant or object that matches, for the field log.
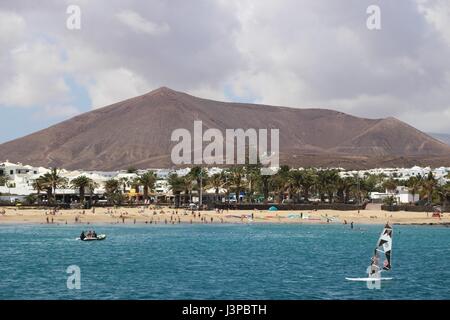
(142, 215)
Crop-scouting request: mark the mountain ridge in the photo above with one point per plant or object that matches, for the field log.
(136, 132)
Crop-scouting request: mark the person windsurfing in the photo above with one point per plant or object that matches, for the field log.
(386, 242)
(374, 264)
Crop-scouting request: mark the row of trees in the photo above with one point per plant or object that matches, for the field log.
(116, 188)
(299, 185)
(295, 185)
(52, 180)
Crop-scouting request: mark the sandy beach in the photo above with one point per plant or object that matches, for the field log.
(150, 215)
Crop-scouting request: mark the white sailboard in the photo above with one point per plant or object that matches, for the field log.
(381, 260)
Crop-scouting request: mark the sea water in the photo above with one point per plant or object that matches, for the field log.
(254, 261)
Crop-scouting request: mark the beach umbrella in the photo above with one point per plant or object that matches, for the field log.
(273, 208)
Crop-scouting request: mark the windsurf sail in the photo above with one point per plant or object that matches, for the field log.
(382, 255)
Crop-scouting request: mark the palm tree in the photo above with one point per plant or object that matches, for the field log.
(428, 186)
(112, 190)
(443, 193)
(371, 183)
(51, 181)
(264, 186)
(390, 185)
(112, 186)
(277, 184)
(332, 179)
(296, 180)
(81, 183)
(253, 176)
(38, 185)
(325, 183)
(226, 183)
(188, 187)
(216, 182)
(147, 181)
(200, 176)
(344, 187)
(237, 180)
(177, 185)
(414, 185)
(309, 177)
(92, 186)
(285, 181)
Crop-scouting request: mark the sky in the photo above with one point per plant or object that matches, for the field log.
(296, 53)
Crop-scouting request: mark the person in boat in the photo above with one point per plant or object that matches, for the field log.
(82, 235)
(89, 234)
(94, 235)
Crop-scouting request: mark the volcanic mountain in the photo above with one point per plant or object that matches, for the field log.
(136, 132)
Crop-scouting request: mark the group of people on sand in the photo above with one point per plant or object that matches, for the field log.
(89, 235)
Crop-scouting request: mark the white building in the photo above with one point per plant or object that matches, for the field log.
(401, 195)
(20, 177)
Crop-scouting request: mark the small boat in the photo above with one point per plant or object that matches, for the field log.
(99, 237)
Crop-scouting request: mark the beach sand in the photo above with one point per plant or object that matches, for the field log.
(124, 215)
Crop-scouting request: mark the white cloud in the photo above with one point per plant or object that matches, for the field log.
(60, 111)
(437, 13)
(36, 76)
(138, 24)
(12, 28)
(115, 85)
(297, 53)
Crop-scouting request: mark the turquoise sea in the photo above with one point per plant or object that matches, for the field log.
(220, 262)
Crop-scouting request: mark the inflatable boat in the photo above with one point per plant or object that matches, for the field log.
(99, 237)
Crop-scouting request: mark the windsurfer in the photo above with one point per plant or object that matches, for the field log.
(386, 242)
(374, 264)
